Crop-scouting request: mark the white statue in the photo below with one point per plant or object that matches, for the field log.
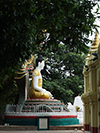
(36, 91)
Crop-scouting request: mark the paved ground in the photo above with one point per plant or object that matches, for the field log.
(50, 131)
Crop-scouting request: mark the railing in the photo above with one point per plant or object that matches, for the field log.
(36, 108)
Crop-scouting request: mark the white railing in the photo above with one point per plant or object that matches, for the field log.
(35, 108)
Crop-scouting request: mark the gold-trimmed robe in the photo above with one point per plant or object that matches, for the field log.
(34, 94)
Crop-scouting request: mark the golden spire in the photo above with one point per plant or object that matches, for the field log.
(95, 43)
(88, 55)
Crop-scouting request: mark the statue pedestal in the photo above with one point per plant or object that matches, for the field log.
(44, 105)
(54, 110)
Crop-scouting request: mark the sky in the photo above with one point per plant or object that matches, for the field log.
(97, 22)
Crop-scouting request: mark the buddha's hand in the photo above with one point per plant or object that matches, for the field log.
(51, 96)
(45, 91)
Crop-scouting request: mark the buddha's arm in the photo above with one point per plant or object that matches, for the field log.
(35, 84)
(36, 87)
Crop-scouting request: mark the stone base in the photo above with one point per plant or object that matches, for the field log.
(94, 129)
(86, 127)
(33, 109)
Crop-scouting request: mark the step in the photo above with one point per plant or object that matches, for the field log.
(24, 128)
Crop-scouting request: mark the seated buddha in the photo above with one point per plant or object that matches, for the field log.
(36, 91)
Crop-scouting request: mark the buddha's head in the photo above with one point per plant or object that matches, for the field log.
(40, 62)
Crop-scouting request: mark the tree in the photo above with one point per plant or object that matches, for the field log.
(25, 24)
(63, 73)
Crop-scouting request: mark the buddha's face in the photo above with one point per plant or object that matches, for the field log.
(41, 64)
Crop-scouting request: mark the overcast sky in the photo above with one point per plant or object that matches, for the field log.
(96, 22)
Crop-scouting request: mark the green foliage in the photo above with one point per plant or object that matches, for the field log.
(22, 25)
(58, 90)
(8, 93)
(63, 73)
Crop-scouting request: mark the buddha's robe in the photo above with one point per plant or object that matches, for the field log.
(34, 94)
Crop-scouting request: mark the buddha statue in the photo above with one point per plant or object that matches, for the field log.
(36, 91)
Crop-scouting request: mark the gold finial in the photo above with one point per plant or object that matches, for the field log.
(88, 55)
(87, 58)
(95, 43)
(92, 42)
